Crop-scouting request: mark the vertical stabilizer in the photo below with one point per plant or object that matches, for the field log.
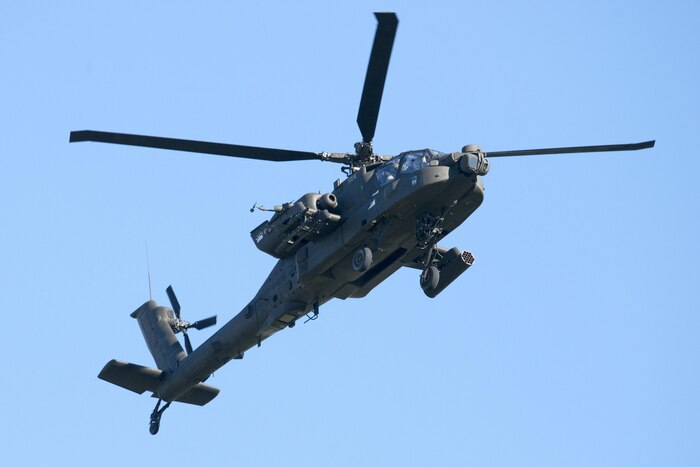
(156, 325)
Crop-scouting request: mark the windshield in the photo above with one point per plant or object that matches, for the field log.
(409, 161)
(388, 171)
(416, 160)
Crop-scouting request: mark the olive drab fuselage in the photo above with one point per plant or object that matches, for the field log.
(398, 210)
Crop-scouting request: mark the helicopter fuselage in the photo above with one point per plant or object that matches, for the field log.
(397, 211)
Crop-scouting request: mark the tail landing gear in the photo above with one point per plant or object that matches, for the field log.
(154, 424)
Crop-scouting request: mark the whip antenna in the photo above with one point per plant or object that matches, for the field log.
(148, 268)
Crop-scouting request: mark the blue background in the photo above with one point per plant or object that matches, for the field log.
(573, 341)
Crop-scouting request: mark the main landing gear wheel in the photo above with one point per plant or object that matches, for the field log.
(429, 279)
(362, 259)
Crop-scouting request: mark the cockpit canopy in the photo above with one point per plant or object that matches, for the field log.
(406, 162)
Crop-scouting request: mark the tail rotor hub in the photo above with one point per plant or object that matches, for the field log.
(179, 325)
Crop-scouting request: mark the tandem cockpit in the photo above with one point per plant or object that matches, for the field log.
(407, 162)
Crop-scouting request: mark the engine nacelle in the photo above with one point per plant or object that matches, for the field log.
(327, 201)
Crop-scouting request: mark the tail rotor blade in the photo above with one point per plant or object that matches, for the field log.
(204, 323)
(376, 74)
(173, 301)
(188, 344)
(184, 325)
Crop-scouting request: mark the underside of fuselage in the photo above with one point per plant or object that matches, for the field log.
(387, 224)
(453, 200)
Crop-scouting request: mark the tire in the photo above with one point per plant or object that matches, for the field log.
(362, 259)
(429, 279)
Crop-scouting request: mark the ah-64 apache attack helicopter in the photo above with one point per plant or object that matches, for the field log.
(390, 212)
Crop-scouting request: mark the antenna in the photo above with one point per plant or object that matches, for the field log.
(148, 267)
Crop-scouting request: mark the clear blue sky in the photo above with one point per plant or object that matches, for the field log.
(573, 341)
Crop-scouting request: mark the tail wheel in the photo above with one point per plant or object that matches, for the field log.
(362, 259)
(429, 279)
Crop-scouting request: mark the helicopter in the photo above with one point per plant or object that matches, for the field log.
(387, 213)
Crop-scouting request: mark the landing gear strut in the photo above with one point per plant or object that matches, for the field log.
(154, 424)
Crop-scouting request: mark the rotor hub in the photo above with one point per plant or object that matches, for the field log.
(364, 151)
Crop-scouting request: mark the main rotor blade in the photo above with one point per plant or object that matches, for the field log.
(573, 149)
(173, 300)
(204, 323)
(376, 74)
(219, 149)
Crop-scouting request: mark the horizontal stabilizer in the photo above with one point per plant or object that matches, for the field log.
(140, 379)
(130, 376)
(201, 394)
